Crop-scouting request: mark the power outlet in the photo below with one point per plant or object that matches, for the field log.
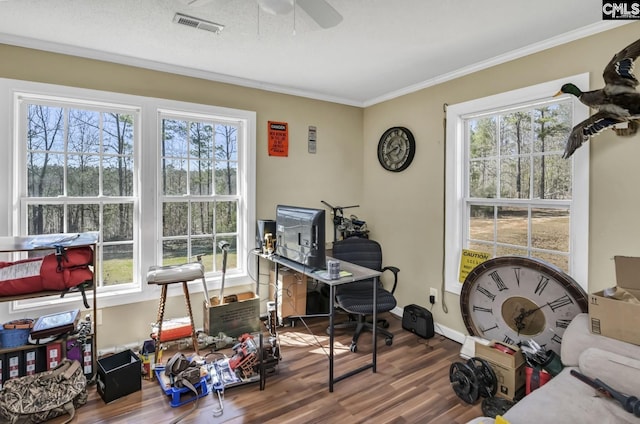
(433, 293)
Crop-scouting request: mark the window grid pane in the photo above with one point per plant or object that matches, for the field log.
(517, 157)
(78, 161)
(203, 165)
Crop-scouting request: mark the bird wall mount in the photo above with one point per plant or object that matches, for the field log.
(617, 103)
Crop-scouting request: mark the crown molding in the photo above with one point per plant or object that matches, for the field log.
(228, 79)
(497, 60)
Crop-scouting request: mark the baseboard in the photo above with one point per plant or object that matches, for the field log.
(445, 331)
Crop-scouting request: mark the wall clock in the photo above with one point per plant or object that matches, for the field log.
(396, 149)
(515, 299)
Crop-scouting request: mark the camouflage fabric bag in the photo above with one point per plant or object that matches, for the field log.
(40, 397)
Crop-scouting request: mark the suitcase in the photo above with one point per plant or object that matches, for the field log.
(418, 320)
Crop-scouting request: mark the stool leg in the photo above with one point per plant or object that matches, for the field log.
(187, 299)
(163, 300)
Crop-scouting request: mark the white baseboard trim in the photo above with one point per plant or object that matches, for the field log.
(445, 331)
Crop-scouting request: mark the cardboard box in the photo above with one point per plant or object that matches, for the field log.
(35, 360)
(54, 355)
(509, 368)
(292, 292)
(2, 360)
(13, 365)
(118, 375)
(612, 317)
(234, 318)
(81, 351)
(87, 357)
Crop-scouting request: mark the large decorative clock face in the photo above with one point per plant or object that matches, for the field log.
(396, 149)
(515, 299)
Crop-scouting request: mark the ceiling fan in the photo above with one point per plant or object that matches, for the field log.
(319, 10)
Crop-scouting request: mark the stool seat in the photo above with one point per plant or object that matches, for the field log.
(175, 273)
(165, 275)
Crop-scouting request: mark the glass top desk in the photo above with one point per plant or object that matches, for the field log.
(358, 273)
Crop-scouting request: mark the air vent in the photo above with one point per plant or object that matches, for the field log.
(197, 23)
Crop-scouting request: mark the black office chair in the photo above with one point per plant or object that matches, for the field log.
(357, 298)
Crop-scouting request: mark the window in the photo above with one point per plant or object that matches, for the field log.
(79, 176)
(162, 181)
(509, 192)
(200, 203)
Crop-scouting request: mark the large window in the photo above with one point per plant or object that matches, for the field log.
(200, 196)
(164, 182)
(509, 191)
(79, 176)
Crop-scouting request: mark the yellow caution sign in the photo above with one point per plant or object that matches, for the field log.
(469, 260)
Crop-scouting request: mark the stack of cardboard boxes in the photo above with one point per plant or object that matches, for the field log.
(613, 312)
(291, 290)
(507, 362)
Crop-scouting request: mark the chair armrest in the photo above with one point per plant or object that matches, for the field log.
(395, 270)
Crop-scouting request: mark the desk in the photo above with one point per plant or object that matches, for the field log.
(358, 273)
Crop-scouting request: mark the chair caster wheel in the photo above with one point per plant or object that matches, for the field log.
(353, 348)
(388, 341)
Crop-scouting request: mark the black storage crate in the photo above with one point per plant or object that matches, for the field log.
(118, 375)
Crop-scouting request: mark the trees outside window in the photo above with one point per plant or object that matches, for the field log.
(509, 192)
(199, 166)
(162, 181)
(80, 177)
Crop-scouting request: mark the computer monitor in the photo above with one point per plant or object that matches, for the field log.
(300, 235)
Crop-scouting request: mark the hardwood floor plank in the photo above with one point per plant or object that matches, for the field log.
(411, 386)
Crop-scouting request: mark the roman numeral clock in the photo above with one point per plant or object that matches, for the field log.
(515, 299)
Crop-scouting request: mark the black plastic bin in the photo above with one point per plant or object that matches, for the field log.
(118, 375)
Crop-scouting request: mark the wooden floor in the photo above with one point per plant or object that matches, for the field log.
(411, 386)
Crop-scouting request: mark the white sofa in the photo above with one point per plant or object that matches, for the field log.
(565, 399)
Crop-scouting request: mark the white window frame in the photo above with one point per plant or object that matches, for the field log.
(242, 185)
(456, 175)
(146, 157)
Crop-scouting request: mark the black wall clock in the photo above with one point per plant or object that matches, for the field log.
(396, 149)
(513, 299)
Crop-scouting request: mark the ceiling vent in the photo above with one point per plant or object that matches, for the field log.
(197, 23)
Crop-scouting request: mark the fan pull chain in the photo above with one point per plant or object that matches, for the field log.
(258, 20)
(294, 16)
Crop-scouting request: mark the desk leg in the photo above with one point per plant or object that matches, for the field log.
(375, 322)
(331, 330)
(276, 271)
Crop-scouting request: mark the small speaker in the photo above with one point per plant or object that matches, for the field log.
(264, 226)
(418, 320)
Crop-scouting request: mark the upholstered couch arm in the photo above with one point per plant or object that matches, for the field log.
(620, 372)
(577, 338)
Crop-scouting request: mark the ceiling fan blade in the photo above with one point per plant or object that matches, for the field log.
(276, 7)
(195, 3)
(320, 11)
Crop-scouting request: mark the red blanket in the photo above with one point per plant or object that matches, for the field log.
(51, 272)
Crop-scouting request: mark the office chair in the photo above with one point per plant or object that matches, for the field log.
(357, 298)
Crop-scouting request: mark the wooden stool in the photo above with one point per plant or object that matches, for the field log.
(165, 275)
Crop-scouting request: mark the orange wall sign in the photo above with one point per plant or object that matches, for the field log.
(278, 138)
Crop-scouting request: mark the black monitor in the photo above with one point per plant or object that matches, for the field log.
(300, 235)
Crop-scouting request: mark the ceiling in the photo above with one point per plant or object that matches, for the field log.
(380, 50)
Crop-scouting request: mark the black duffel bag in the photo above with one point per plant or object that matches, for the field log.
(418, 320)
